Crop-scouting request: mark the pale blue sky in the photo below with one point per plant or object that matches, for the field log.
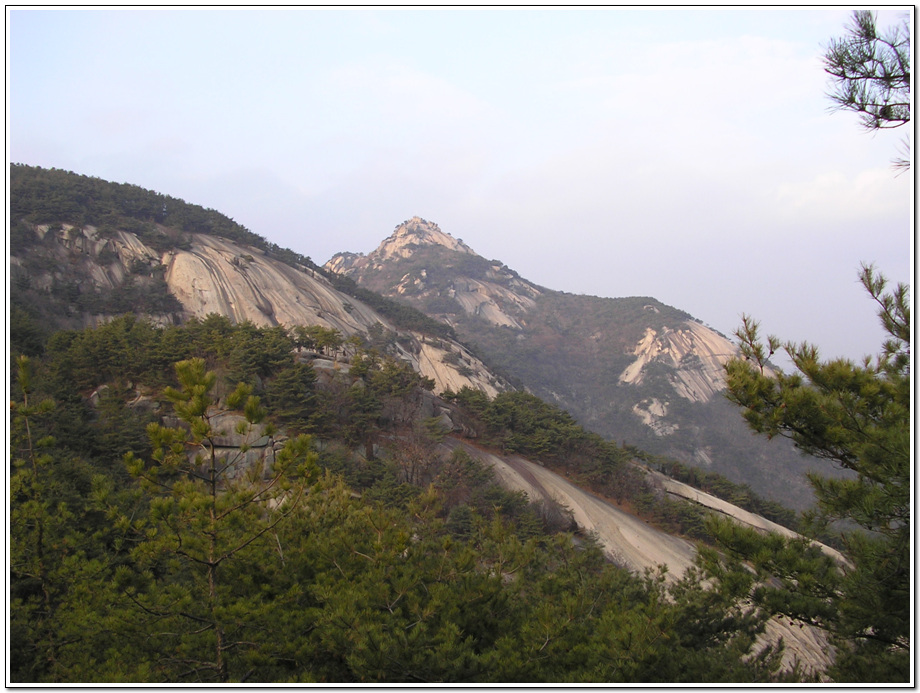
(688, 155)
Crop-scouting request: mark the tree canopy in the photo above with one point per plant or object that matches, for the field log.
(191, 559)
(857, 417)
(870, 72)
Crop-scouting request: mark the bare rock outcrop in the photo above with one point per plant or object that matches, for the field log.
(695, 353)
(496, 295)
(208, 274)
(402, 243)
(218, 276)
(433, 362)
(636, 545)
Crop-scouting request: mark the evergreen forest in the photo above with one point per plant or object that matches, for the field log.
(145, 547)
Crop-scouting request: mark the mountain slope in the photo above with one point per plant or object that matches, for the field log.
(80, 276)
(633, 543)
(633, 369)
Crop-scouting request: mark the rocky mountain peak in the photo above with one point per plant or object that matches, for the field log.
(416, 232)
(630, 367)
(406, 239)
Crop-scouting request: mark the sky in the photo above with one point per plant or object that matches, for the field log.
(691, 155)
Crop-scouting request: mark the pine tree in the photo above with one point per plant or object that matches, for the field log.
(291, 395)
(871, 74)
(207, 519)
(58, 568)
(856, 417)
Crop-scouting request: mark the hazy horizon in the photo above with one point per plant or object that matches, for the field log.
(687, 155)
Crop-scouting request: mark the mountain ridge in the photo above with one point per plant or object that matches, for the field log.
(571, 350)
(214, 275)
(206, 274)
(632, 368)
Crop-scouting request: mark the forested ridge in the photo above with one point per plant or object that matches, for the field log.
(131, 562)
(49, 196)
(53, 197)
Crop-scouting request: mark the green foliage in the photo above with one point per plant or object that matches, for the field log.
(531, 426)
(149, 296)
(871, 72)
(205, 565)
(325, 339)
(57, 549)
(290, 394)
(204, 518)
(44, 196)
(856, 417)
(399, 597)
(22, 237)
(476, 401)
(123, 349)
(672, 516)
(257, 352)
(129, 348)
(384, 397)
(26, 335)
(523, 423)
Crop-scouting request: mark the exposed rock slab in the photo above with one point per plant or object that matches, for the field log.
(740, 515)
(430, 363)
(209, 274)
(497, 296)
(626, 539)
(402, 243)
(635, 545)
(696, 354)
(218, 276)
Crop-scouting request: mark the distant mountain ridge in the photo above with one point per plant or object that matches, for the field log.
(633, 369)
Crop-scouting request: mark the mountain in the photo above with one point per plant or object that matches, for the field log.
(632, 369)
(206, 275)
(84, 252)
(75, 276)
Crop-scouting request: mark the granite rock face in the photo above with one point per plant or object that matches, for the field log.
(405, 240)
(693, 353)
(218, 276)
(209, 274)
